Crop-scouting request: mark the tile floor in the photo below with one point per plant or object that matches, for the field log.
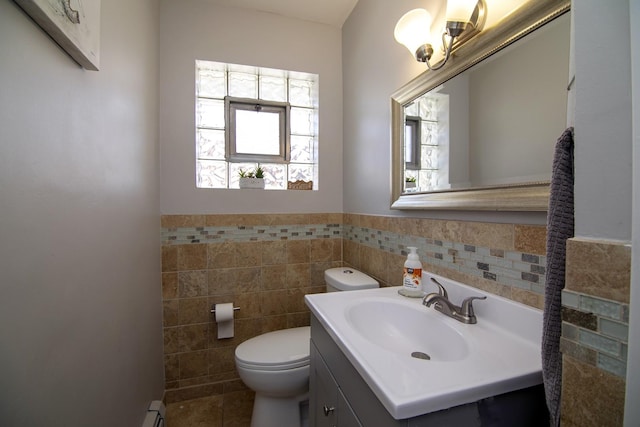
(208, 411)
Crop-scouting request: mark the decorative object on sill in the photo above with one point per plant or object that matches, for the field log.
(410, 182)
(465, 19)
(252, 179)
(300, 185)
(248, 182)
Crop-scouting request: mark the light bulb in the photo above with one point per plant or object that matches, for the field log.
(413, 29)
(460, 10)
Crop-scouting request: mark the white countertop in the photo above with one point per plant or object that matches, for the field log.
(503, 349)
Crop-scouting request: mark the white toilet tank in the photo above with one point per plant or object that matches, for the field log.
(348, 279)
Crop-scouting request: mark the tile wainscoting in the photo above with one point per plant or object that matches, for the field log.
(265, 264)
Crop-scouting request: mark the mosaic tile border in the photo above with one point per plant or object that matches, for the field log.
(249, 233)
(595, 331)
(511, 268)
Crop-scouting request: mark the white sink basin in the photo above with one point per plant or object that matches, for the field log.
(378, 330)
(401, 329)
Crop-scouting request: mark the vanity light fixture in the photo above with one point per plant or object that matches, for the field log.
(465, 19)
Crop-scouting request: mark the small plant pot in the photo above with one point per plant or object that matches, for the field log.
(252, 183)
(409, 184)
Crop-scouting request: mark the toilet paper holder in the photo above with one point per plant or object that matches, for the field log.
(213, 309)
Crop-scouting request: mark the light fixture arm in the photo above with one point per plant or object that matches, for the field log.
(429, 52)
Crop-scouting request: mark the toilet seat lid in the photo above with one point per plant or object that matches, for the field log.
(277, 350)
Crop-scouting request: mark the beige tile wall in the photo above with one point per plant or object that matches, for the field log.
(266, 279)
(499, 238)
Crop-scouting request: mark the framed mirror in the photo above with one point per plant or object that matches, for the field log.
(462, 141)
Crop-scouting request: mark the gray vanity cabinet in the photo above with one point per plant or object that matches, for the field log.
(339, 397)
(327, 405)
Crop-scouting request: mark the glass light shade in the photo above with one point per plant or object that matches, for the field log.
(413, 29)
(460, 10)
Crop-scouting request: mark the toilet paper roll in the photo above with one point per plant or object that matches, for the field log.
(224, 319)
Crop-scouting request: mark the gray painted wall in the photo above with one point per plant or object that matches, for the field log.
(80, 312)
(197, 29)
(603, 161)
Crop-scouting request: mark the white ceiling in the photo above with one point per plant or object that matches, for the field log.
(330, 12)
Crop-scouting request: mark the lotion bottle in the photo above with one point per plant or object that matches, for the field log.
(412, 275)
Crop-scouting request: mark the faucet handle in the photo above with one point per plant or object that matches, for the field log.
(466, 308)
(441, 290)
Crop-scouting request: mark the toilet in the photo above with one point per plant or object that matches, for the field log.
(276, 364)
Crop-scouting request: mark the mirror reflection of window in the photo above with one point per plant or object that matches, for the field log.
(426, 141)
(412, 128)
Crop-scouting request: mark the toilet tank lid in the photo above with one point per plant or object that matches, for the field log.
(349, 279)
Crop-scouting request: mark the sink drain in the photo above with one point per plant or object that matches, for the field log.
(420, 355)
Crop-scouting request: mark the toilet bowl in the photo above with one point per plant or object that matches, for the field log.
(276, 364)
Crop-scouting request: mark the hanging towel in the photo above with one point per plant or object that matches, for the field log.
(560, 227)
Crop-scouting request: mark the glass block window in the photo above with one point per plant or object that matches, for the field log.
(279, 94)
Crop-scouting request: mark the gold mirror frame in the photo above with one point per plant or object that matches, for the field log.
(531, 196)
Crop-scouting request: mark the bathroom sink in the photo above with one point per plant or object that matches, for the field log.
(400, 328)
(416, 360)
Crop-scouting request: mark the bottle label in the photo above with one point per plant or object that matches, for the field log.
(412, 278)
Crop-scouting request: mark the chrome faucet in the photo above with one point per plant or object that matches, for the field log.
(440, 302)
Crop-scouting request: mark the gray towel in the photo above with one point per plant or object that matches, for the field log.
(560, 225)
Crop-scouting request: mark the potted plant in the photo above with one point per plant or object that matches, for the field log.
(252, 179)
(410, 182)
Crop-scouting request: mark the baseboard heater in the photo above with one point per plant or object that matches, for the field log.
(155, 415)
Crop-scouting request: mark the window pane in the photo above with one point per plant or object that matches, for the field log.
(211, 174)
(429, 133)
(243, 85)
(273, 88)
(275, 176)
(301, 93)
(234, 172)
(300, 172)
(429, 157)
(210, 144)
(411, 109)
(301, 149)
(257, 132)
(210, 113)
(302, 121)
(428, 180)
(428, 108)
(211, 83)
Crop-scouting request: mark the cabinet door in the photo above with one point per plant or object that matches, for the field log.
(323, 402)
(346, 416)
